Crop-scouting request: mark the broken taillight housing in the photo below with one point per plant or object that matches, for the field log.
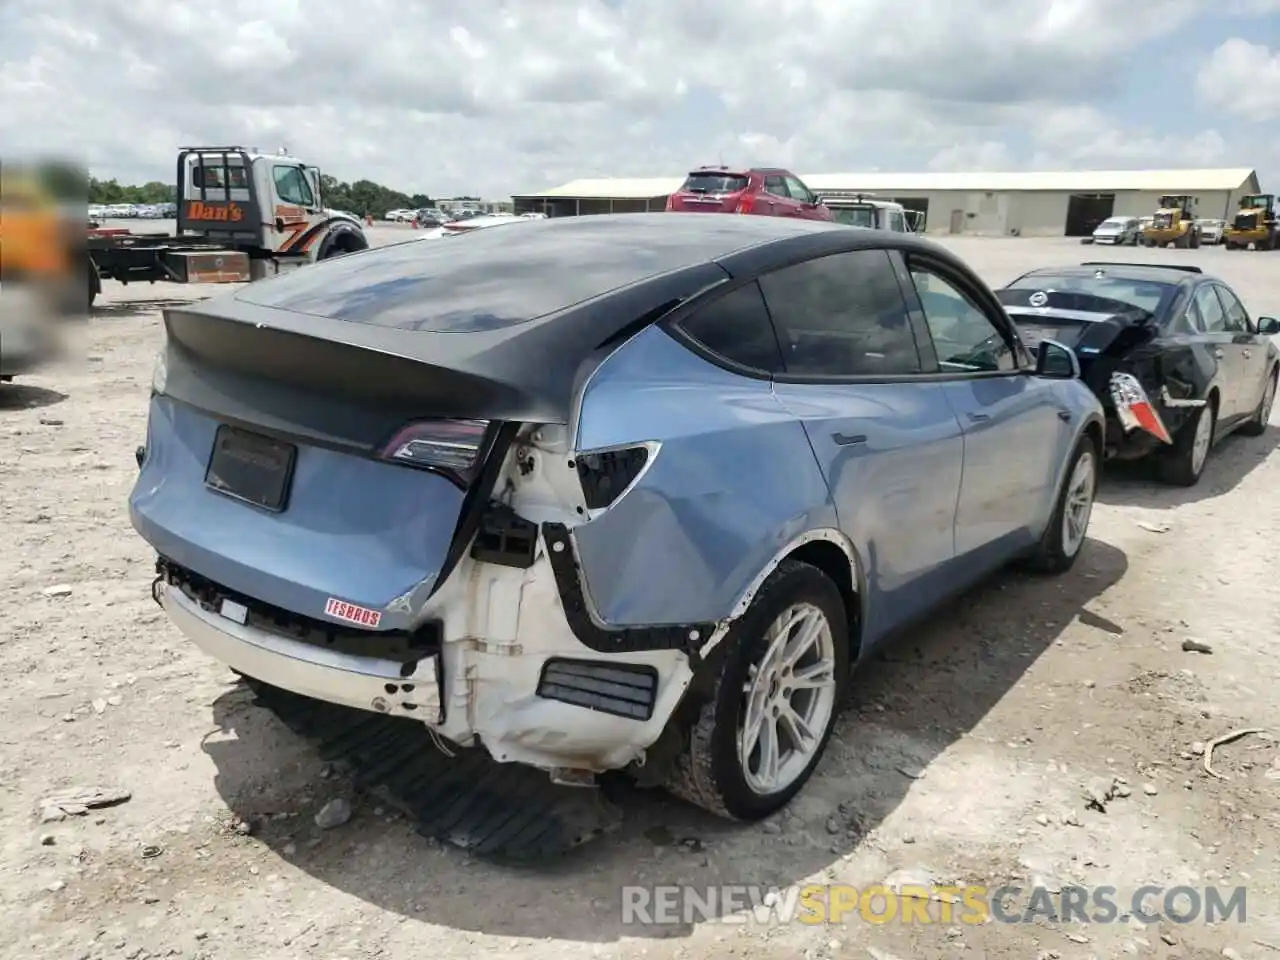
(454, 448)
(745, 203)
(606, 474)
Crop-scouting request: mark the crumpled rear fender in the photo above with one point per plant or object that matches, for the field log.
(733, 482)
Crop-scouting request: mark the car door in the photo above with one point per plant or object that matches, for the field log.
(774, 198)
(806, 201)
(1016, 432)
(1252, 347)
(886, 438)
(1226, 354)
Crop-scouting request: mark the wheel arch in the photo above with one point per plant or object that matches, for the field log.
(830, 551)
(342, 237)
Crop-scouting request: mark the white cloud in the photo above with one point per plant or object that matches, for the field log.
(1243, 79)
(504, 95)
(978, 156)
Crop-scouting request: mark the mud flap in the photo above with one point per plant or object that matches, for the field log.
(1134, 408)
(499, 811)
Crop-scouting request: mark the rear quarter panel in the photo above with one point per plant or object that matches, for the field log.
(734, 482)
(1077, 398)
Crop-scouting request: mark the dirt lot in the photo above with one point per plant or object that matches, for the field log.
(961, 758)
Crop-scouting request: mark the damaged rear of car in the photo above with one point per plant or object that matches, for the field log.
(407, 482)
(1160, 348)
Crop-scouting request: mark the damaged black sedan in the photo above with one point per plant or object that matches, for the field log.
(1172, 353)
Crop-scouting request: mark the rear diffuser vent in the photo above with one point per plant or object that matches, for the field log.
(621, 689)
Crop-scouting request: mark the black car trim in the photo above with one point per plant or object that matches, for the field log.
(688, 637)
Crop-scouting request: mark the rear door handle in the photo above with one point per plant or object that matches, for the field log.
(1217, 352)
(846, 439)
(979, 417)
(1064, 414)
(1247, 353)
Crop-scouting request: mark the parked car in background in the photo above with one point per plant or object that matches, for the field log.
(457, 481)
(1174, 356)
(863, 210)
(1212, 232)
(1116, 231)
(762, 191)
(399, 216)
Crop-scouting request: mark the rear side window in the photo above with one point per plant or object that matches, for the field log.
(777, 186)
(840, 316)
(1212, 315)
(737, 328)
(715, 183)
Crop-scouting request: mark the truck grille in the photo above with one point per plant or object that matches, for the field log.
(1246, 221)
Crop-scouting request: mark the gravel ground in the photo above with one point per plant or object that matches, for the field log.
(961, 758)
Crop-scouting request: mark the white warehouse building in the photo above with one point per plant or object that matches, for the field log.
(982, 204)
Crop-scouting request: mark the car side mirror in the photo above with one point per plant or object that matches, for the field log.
(1057, 361)
(1268, 326)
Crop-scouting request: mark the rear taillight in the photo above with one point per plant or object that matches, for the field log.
(454, 448)
(745, 203)
(671, 202)
(605, 475)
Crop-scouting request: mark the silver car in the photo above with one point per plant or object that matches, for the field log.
(1212, 232)
(1117, 231)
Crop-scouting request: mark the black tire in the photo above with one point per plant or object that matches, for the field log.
(1052, 554)
(708, 772)
(1256, 425)
(1193, 239)
(343, 242)
(1177, 465)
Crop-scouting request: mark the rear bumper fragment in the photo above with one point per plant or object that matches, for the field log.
(365, 683)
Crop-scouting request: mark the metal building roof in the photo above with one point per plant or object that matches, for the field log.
(1082, 181)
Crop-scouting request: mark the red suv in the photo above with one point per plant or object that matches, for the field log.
(763, 191)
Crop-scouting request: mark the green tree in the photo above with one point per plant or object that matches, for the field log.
(363, 197)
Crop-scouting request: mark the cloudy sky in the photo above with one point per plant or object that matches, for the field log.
(503, 96)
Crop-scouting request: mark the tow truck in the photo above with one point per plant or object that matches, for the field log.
(864, 210)
(242, 215)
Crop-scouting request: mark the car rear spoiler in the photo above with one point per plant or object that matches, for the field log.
(1184, 267)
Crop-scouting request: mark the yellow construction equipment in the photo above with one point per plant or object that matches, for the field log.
(1174, 222)
(1254, 223)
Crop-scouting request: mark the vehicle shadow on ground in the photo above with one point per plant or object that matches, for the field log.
(1136, 484)
(910, 703)
(24, 396)
(126, 309)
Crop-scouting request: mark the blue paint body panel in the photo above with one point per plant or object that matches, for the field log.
(892, 456)
(355, 529)
(734, 482)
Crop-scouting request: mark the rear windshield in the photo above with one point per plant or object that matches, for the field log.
(1143, 294)
(855, 216)
(499, 276)
(715, 183)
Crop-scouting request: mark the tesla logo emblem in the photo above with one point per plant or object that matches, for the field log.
(1038, 299)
